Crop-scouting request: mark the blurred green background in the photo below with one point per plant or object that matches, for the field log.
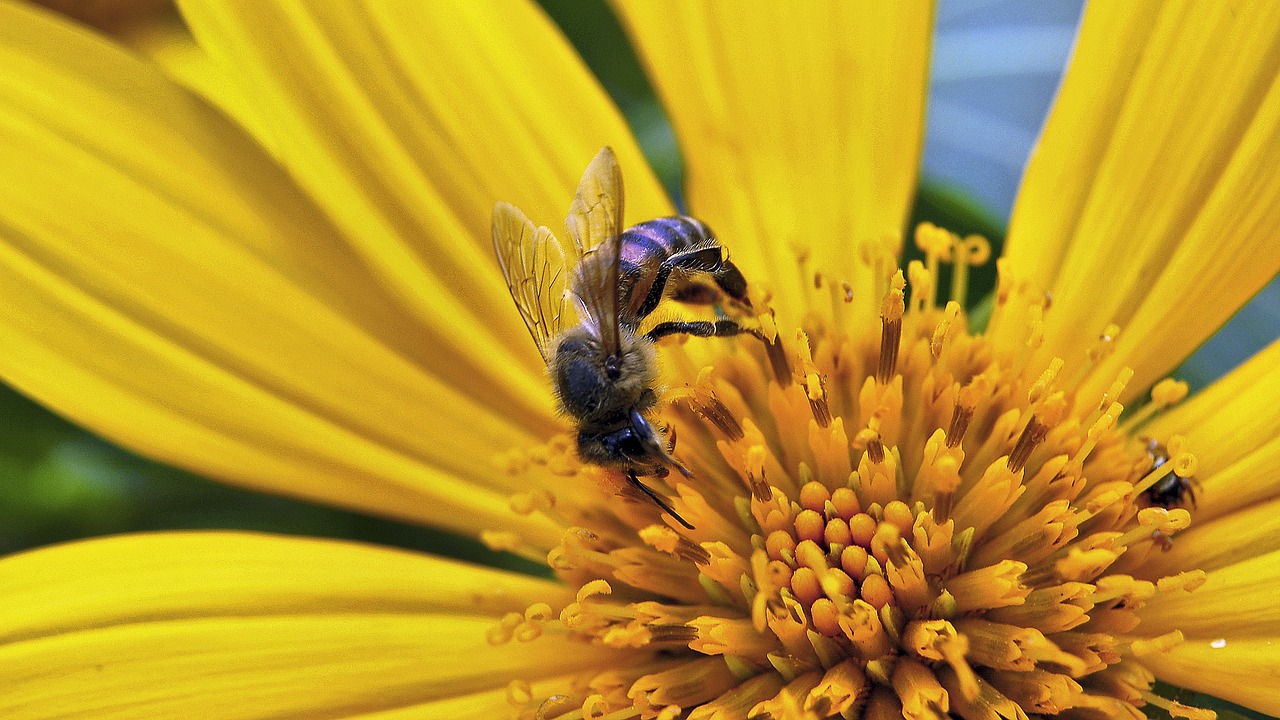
(996, 67)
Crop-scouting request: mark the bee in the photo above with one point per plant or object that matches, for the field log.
(1170, 490)
(603, 368)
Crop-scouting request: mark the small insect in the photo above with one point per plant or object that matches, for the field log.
(602, 367)
(1170, 490)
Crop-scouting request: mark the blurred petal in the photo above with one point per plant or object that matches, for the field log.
(800, 125)
(1147, 190)
(408, 120)
(191, 304)
(246, 626)
(1233, 427)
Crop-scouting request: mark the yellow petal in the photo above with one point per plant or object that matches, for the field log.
(1152, 200)
(171, 45)
(408, 120)
(166, 285)
(1234, 430)
(800, 125)
(248, 626)
(131, 578)
(1238, 598)
(1244, 670)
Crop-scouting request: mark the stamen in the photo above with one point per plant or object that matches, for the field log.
(667, 540)
(974, 250)
(1112, 393)
(776, 354)
(935, 243)
(1032, 436)
(966, 401)
(891, 311)
(1167, 392)
(755, 477)
(840, 691)
(936, 343)
(922, 286)
(994, 586)
(919, 691)
(703, 401)
(1100, 350)
(938, 640)
(814, 383)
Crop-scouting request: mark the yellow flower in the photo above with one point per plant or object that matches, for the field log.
(893, 514)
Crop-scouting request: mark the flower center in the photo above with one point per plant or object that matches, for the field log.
(911, 522)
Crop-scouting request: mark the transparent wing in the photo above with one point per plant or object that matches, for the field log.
(533, 263)
(595, 225)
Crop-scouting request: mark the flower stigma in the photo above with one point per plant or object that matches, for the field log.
(894, 516)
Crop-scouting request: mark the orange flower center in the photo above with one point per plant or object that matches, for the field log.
(903, 523)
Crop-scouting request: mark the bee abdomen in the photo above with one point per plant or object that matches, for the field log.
(651, 242)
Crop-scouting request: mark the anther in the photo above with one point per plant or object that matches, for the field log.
(935, 243)
(777, 355)
(1100, 350)
(972, 251)
(1032, 435)
(936, 343)
(815, 384)
(661, 537)
(891, 311)
(1165, 393)
(756, 481)
(921, 282)
(709, 408)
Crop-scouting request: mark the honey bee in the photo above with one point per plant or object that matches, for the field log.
(603, 368)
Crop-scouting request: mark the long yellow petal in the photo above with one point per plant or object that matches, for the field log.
(131, 578)
(800, 125)
(1239, 597)
(1152, 200)
(1232, 625)
(248, 626)
(163, 283)
(1234, 430)
(1243, 670)
(408, 120)
(311, 665)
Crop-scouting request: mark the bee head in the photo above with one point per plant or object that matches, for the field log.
(596, 386)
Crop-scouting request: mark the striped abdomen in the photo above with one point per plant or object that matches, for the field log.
(645, 247)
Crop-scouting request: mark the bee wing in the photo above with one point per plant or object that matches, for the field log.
(595, 224)
(533, 263)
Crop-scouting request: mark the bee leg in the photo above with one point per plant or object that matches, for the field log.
(702, 328)
(701, 260)
(631, 478)
(731, 281)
